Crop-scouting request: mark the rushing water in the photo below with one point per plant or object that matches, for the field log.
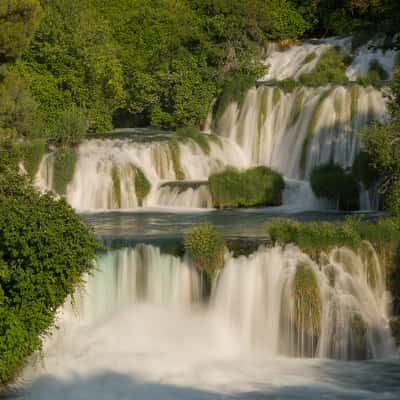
(139, 330)
(291, 131)
(277, 324)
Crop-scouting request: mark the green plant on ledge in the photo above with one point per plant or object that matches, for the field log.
(65, 159)
(259, 186)
(307, 302)
(142, 185)
(206, 248)
(201, 139)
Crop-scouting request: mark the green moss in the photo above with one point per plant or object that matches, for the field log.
(276, 96)
(196, 135)
(309, 57)
(375, 74)
(206, 247)
(330, 68)
(312, 125)
(216, 139)
(253, 187)
(331, 182)
(288, 85)
(244, 246)
(142, 185)
(307, 302)
(65, 159)
(297, 107)
(176, 162)
(116, 184)
(33, 152)
(263, 107)
(234, 90)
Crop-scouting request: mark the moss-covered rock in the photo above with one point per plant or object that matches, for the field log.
(206, 247)
(65, 159)
(142, 185)
(32, 155)
(259, 186)
(307, 301)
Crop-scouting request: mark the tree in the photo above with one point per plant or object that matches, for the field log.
(17, 107)
(44, 250)
(18, 22)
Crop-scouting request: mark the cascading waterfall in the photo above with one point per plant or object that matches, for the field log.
(132, 275)
(277, 300)
(281, 301)
(101, 162)
(293, 132)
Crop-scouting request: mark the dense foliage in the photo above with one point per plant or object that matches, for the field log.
(331, 182)
(44, 249)
(259, 186)
(206, 247)
(382, 143)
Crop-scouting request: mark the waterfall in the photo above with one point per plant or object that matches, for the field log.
(260, 297)
(131, 275)
(293, 132)
(263, 300)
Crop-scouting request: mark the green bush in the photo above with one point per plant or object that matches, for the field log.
(206, 247)
(70, 127)
(65, 159)
(259, 186)
(44, 249)
(364, 171)
(330, 68)
(142, 185)
(331, 182)
(32, 154)
(196, 135)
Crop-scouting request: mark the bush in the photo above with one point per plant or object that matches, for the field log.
(364, 171)
(70, 127)
(259, 186)
(331, 182)
(196, 135)
(44, 249)
(206, 247)
(330, 68)
(65, 159)
(32, 155)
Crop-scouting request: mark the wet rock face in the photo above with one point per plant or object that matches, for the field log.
(395, 327)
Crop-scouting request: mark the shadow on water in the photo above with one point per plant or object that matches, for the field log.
(373, 380)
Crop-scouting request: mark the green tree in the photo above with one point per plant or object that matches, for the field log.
(17, 107)
(44, 250)
(18, 22)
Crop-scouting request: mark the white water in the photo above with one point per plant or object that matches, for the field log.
(139, 330)
(290, 132)
(293, 132)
